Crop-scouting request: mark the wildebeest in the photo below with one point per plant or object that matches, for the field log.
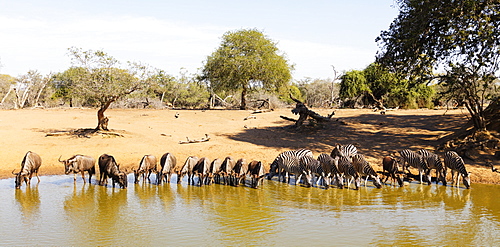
(239, 171)
(30, 164)
(146, 167)
(226, 169)
(109, 168)
(214, 172)
(79, 164)
(201, 170)
(391, 166)
(187, 168)
(168, 163)
(256, 172)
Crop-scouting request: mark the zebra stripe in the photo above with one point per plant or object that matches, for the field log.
(348, 172)
(330, 169)
(288, 163)
(414, 160)
(363, 168)
(312, 168)
(453, 161)
(347, 151)
(433, 162)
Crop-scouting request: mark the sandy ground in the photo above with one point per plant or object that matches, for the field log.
(261, 138)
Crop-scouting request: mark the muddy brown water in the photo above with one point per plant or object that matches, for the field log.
(58, 212)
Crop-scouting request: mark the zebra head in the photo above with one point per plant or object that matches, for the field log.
(376, 182)
(467, 180)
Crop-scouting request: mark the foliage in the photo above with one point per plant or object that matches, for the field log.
(29, 88)
(385, 87)
(96, 77)
(318, 92)
(246, 60)
(6, 82)
(459, 37)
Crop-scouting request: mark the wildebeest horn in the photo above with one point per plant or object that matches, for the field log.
(15, 173)
(60, 159)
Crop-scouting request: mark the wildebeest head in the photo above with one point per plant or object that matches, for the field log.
(121, 179)
(19, 179)
(69, 165)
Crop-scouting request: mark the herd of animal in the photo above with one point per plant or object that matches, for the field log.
(343, 167)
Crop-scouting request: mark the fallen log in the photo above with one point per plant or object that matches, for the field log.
(205, 139)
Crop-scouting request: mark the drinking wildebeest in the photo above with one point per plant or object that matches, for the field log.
(187, 168)
(109, 168)
(256, 172)
(146, 167)
(239, 171)
(79, 163)
(201, 170)
(30, 164)
(168, 163)
(226, 170)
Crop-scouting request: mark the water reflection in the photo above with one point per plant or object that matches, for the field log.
(28, 202)
(65, 213)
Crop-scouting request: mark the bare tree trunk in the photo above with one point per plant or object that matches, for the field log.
(243, 105)
(44, 83)
(4, 97)
(102, 121)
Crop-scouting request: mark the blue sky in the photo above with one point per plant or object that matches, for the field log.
(170, 35)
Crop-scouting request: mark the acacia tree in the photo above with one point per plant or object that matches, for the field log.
(245, 60)
(101, 82)
(459, 37)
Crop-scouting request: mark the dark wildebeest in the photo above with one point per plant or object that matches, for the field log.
(391, 166)
(30, 164)
(146, 167)
(226, 170)
(187, 168)
(168, 163)
(79, 163)
(239, 171)
(109, 168)
(201, 170)
(256, 172)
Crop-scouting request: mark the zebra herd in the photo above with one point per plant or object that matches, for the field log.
(342, 167)
(345, 166)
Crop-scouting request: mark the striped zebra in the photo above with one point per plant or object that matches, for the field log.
(434, 162)
(453, 161)
(348, 172)
(312, 169)
(415, 160)
(330, 169)
(347, 151)
(363, 168)
(288, 163)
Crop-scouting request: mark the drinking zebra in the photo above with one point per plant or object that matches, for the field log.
(312, 169)
(330, 169)
(363, 168)
(347, 151)
(288, 163)
(349, 173)
(433, 162)
(453, 161)
(414, 160)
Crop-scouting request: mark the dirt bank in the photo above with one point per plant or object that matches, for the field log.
(261, 138)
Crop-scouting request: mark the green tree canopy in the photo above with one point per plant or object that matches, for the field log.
(95, 76)
(459, 37)
(246, 59)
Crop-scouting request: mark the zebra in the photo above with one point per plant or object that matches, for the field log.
(330, 169)
(362, 167)
(288, 162)
(348, 171)
(415, 160)
(347, 151)
(434, 162)
(453, 161)
(312, 168)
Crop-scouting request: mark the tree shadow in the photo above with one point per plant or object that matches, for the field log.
(373, 134)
